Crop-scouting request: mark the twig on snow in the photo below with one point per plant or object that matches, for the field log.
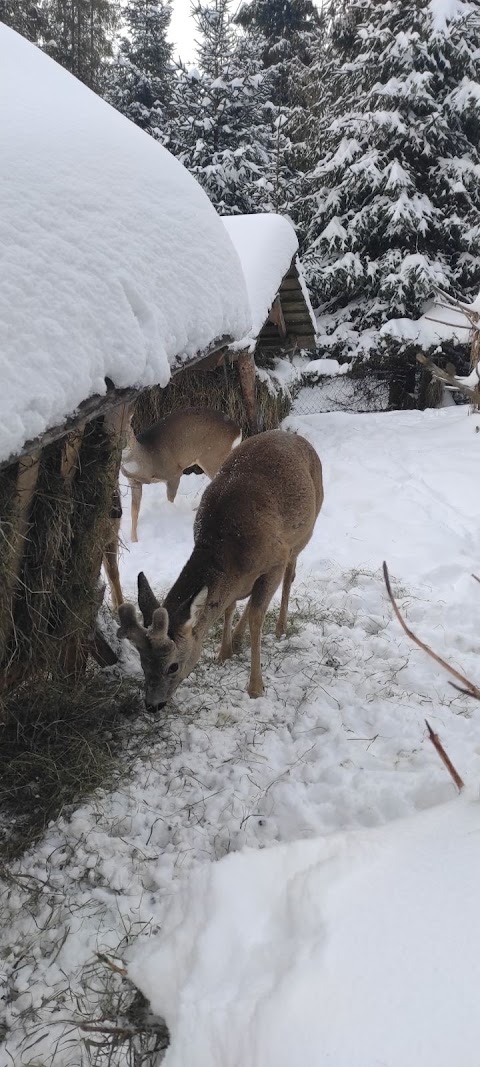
(109, 963)
(434, 738)
(467, 687)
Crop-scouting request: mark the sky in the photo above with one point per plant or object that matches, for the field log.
(182, 30)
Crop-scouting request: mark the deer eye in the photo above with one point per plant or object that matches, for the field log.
(173, 668)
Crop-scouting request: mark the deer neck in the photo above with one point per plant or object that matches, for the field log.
(197, 573)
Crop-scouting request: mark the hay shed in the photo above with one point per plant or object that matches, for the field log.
(282, 317)
(281, 323)
(116, 273)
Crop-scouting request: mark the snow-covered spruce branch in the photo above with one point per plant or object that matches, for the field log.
(450, 379)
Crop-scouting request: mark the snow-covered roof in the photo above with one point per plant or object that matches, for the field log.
(113, 262)
(266, 245)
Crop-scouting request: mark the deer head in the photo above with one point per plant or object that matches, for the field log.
(165, 660)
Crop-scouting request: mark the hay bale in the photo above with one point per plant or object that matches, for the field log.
(219, 389)
(59, 744)
(50, 612)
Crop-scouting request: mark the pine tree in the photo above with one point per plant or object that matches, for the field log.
(140, 80)
(79, 36)
(24, 16)
(224, 126)
(397, 196)
(288, 35)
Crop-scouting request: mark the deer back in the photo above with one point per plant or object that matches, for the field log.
(186, 437)
(263, 503)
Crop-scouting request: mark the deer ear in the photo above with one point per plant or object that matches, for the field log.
(130, 628)
(159, 625)
(147, 600)
(197, 606)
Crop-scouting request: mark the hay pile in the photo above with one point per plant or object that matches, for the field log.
(53, 533)
(219, 389)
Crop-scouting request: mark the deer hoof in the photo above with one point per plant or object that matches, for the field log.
(255, 691)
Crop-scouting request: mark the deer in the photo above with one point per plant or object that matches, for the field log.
(254, 519)
(187, 438)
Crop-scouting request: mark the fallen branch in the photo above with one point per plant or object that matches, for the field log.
(123, 1031)
(450, 379)
(467, 687)
(109, 963)
(434, 738)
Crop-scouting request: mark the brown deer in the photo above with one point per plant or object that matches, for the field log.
(253, 520)
(189, 437)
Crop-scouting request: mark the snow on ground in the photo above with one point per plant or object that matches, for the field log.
(337, 743)
(340, 950)
(113, 261)
(265, 245)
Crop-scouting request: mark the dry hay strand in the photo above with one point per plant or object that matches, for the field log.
(219, 389)
(56, 597)
(8, 505)
(59, 744)
(93, 490)
(33, 599)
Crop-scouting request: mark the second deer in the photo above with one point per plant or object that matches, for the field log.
(253, 520)
(188, 437)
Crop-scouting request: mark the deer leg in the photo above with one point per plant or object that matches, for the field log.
(136, 488)
(172, 488)
(239, 631)
(226, 650)
(288, 578)
(262, 593)
(110, 562)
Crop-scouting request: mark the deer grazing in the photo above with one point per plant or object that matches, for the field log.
(253, 521)
(189, 437)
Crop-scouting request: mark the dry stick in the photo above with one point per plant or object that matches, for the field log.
(468, 687)
(434, 738)
(111, 965)
(450, 379)
(477, 579)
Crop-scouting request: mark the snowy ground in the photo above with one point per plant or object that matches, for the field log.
(337, 743)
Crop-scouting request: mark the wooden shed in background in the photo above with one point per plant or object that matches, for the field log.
(281, 325)
(290, 326)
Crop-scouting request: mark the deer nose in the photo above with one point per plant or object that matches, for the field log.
(153, 708)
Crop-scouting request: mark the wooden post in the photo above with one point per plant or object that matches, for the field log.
(276, 316)
(475, 347)
(246, 372)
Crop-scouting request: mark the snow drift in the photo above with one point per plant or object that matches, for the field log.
(113, 261)
(349, 950)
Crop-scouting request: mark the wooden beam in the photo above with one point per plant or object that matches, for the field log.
(275, 316)
(291, 282)
(247, 375)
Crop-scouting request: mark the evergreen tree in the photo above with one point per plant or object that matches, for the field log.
(288, 35)
(24, 16)
(79, 35)
(224, 125)
(397, 196)
(140, 80)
